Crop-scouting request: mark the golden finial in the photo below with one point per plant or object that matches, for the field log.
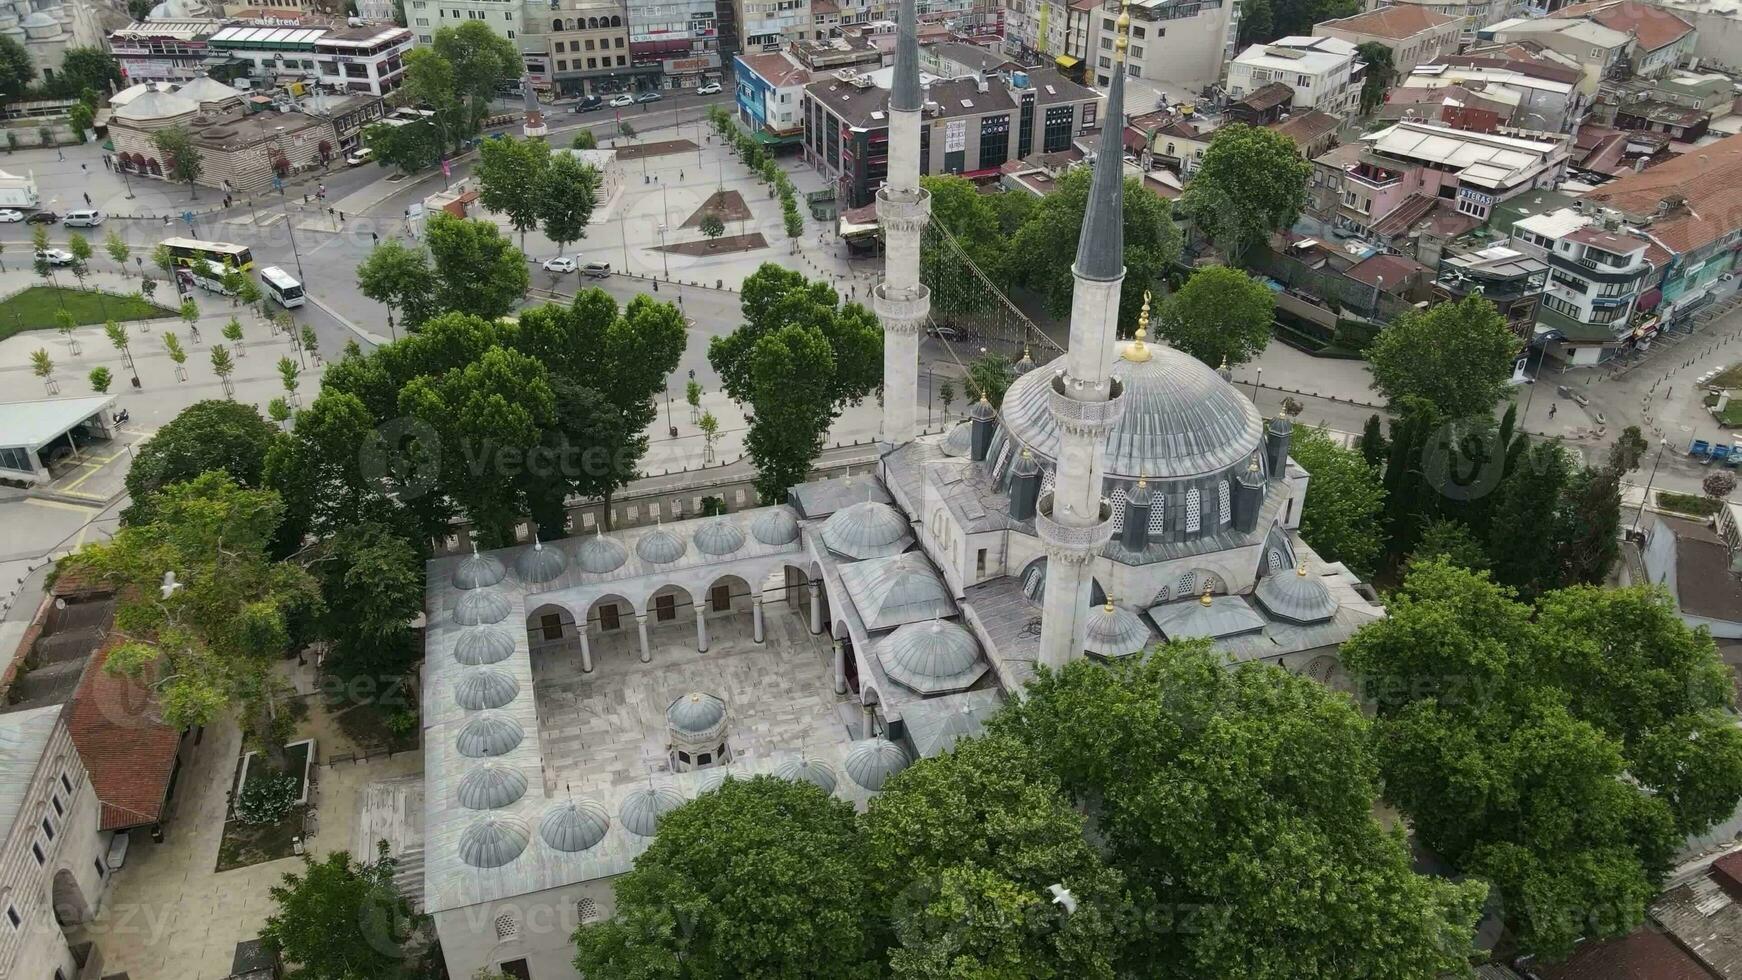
(1300, 569)
(1137, 351)
(1124, 27)
(1205, 598)
(1109, 606)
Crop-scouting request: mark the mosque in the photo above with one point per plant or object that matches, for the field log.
(576, 691)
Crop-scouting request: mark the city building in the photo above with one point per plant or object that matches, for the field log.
(238, 147)
(972, 126)
(425, 17)
(1600, 51)
(1678, 104)
(1524, 100)
(163, 51)
(582, 48)
(1470, 14)
(46, 30)
(770, 96)
(1177, 44)
(679, 37)
(767, 25)
(1507, 277)
(1661, 40)
(1416, 35)
(577, 691)
(1717, 28)
(359, 59)
(1053, 32)
(1599, 271)
(1323, 72)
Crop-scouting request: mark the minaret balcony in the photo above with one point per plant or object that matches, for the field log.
(901, 314)
(1069, 541)
(1077, 409)
(903, 211)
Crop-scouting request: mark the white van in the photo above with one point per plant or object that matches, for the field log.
(282, 287)
(84, 218)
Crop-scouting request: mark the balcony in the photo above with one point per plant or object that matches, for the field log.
(1375, 177)
(1597, 271)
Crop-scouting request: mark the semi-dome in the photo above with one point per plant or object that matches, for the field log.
(480, 645)
(476, 571)
(718, 537)
(805, 770)
(872, 762)
(695, 713)
(890, 592)
(488, 735)
(713, 779)
(868, 529)
(493, 841)
(491, 786)
(932, 658)
(776, 527)
(599, 554)
(1179, 420)
(478, 607)
(540, 564)
(481, 688)
(643, 809)
(959, 441)
(1114, 631)
(1296, 597)
(574, 825)
(660, 547)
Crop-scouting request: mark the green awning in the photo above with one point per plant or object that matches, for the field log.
(767, 138)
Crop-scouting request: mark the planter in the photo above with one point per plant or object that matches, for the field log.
(299, 755)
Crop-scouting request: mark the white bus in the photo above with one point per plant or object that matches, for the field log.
(282, 287)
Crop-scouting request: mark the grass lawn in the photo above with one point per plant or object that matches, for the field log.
(35, 307)
(1730, 377)
(1687, 503)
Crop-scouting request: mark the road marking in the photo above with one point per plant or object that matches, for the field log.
(62, 505)
(96, 464)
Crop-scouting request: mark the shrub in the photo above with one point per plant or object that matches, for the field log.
(266, 798)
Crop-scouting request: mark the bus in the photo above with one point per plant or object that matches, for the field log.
(282, 287)
(191, 251)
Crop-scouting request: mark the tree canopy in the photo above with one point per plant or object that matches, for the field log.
(477, 271)
(1344, 503)
(210, 435)
(1381, 72)
(510, 179)
(1457, 356)
(972, 221)
(1220, 316)
(342, 919)
(1252, 182)
(399, 276)
(16, 69)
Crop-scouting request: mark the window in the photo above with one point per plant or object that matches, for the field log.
(48, 828)
(59, 809)
(102, 869)
(66, 783)
(1194, 510)
(562, 65)
(980, 563)
(1105, 62)
(620, 61)
(1136, 32)
(592, 62)
(36, 849)
(721, 598)
(506, 927)
(15, 459)
(665, 607)
(517, 969)
(13, 917)
(510, 35)
(1188, 585)
(1222, 502)
(1303, 81)
(1137, 51)
(587, 910)
(1106, 44)
(609, 618)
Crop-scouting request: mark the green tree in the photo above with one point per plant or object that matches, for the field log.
(431, 82)
(80, 247)
(946, 395)
(477, 271)
(972, 221)
(208, 645)
(1341, 518)
(585, 140)
(100, 380)
(399, 277)
(118, 249)
(233, 333)
(692, 396)
(372, 583)
(1458, 356)
(249, 293)
(310, 342)
(790, 374)
(1221, 316)
(1373, 443)
(164, 259)
(341, 919)
(223, 365)
(774, 297)
(510, 176)
(710, 427)
(964, 848)
(1526, 525)
(79, 118)
(181, 158)
(1252, 182)
(989, 376)
(1044, 249)
(279, 411)
(1591, 512)
(712, 226)
(625, 130)
(1381, 72)
(42, 366)
(318, 470)
(85, 71)
(64, 324)
(205, 436)
(1242, 799)
(190, 314)
(567, 195)
(118, 338)
(1451, 542)
(16, 69)
(408, 148)
(759, 878)
(484, 60)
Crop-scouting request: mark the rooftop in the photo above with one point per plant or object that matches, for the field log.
(1485, 159)
(1306, 128)
(37, 423)
(1266, 97)
(126, 747)
(777, 68)
(1699, 195)
(1643, 954)
(1583, 31)
(1396, 23)
(1304, 55)
(1653, 26)
(866, 107)
(24, 737)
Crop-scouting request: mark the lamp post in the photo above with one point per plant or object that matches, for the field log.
(1257, 383)
(664, 256)
(284, 206)
(1640, 513)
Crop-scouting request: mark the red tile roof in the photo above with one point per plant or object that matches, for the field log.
(776, 69)
(1654, 26)
(1701, 192)
(1306, 128)
(1396, 270)
(1643, 954)
(1395, 23)
(126, 747)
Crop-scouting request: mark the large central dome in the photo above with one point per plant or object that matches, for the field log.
(1181, 419)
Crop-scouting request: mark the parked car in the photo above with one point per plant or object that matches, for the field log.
(596, 270)
(947, 334)
(360, 156)
(649, 97)
(711, 88)
(562, 263)
(84, 218)
(622, 100)
(11, 215)
(588, 103)
(56, 256)
(42, 218)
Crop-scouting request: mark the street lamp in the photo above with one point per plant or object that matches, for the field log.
(664, 256)
(1257, 382)
(1640, 514)
(284, 206)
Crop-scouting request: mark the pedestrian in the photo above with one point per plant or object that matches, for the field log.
(1552, 409)
(166, 221)
(374, 238)
(680, 175)
(106, 164)
(305, 199)
(58, 155)
(83, 169)
(87, 200)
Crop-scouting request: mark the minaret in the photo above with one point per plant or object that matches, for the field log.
(1073, 521)
(534, 124)
(903, 208)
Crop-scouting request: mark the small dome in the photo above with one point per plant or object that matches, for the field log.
(982, 410)
(478, 607)
(477, 571)
(1024, 364)
(540, 564)
(574, 825)
(814, 771)
(720, 537)
(713, 779)
(890, 592)
(1296, 597)
(1114, 631)
(493, 841)
(643, 809)
(480, 645)
(1142, 494)
(480, 688)
(491, 786)
(1253, 474)
(1025, 464)
(660, 547)
(489, 735)
(932, 658)
(959, 442)
(695, 713)
(599, 554)
(867, 529)
(776, 527)
(870, 763)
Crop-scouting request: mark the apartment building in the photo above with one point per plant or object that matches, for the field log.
(1661, 40)
(1177, 43)
(361, 59)
(770, 96)
(1470, 14)
(768, 25)
(1598, 273)
(1055, 32)
(970, 126)
(582, 48)
(1415, 35)
(425, 17)
(1526, 101)
(1323, 72)
(163, 50)
(1600, 51)
(681, 38)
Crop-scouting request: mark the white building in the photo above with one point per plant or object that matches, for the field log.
(428, 16)
(47, 30)
(358, 59)
(1415, 35)
(1324, 72)
(1598, 271)
(768, 25)
(1176, 44)
(164, 50)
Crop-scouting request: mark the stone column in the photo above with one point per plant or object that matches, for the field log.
(816, 607)
(840, 669)
(870, 721)
(641, 627)
(756, 618)
(586, 651)
(701, 630)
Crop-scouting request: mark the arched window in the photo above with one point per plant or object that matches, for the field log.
(1161, 597)
(1157, 515)
(1222, 501)
(506, 927)
(1194, 510)
(616, 21)
(1275, 562)
(1118, 500)
(592, 23)
(557, 24)
(1188, 584)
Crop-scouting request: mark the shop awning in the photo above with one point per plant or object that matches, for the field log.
(1067, 62)
(1649, 299)
(767, 138)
